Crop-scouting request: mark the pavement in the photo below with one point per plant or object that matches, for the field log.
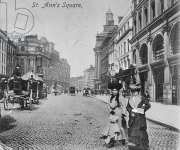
(66, 122)
(167, 115)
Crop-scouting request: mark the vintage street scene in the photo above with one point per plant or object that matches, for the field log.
(89, 75)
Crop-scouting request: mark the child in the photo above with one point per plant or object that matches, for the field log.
(113, 129)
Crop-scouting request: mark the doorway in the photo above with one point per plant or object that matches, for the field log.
(159, 83)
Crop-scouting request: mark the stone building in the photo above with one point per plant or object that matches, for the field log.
(11, 59)
(8, 55)
(156, 47)
(33, 54)
(77, 82)
(103, 48)
(89, 77)
(54, 54)
(122, 47)
(3, 52)
(59, 73)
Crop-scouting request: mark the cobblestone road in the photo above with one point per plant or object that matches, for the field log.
(72, 123)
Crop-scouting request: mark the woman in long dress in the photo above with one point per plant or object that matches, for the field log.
(137, 132)
(114, 131)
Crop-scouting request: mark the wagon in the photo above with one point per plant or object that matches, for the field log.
(16, 91)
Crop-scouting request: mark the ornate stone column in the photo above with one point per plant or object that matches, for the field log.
(167, 81)
(151, 83)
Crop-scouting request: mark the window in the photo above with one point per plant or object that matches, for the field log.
(146, 15)
(128, 45)
(153, 9)
(140, 21)
(124, 47)
(135, 27)
(162, 5)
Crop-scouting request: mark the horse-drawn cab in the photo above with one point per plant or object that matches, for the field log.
(16, 91)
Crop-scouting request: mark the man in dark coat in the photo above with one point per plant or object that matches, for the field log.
(114, 84)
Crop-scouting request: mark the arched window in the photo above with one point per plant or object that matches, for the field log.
(158, 47)
(174, 38)
(144, 54)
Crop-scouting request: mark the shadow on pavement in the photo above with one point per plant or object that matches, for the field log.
(7, 123)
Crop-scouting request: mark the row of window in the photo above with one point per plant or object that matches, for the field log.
(124, 29)
(3, 44)
(148, 12)
(3, 69)
(3, 58)
(124, 63)
(124, 48)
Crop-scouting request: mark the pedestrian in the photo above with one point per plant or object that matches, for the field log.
(137, 106)
(114, 131)
(125, 116)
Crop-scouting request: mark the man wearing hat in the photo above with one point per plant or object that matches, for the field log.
(136, 107)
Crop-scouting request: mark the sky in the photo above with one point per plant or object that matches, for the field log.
(73, 30)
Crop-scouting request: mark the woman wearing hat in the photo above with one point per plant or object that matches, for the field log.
(137, 106)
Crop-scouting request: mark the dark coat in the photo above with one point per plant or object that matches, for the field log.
(137, 123)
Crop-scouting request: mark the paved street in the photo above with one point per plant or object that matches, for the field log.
(72, 123)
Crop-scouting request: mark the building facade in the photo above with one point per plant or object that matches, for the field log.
(59, 73)
(3, 52)
(103, 48)
(89, 77)
(8, 55)
(122, 50)
(77, 82)
(156, 47)
(11, 59)
(33, 54)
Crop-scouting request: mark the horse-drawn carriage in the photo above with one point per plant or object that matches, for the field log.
(15, 90)
(25, 90)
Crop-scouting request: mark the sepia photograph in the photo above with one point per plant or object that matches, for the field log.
(89, 75)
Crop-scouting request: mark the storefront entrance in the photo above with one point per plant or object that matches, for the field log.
(175, 85)
(159, 82)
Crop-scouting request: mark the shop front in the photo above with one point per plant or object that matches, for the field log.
(158, 76)
(143, 75)
(175, 79)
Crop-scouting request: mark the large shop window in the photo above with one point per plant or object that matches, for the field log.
(174, 38)
(158, 47)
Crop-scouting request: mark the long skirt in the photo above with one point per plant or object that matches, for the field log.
(113, 130)
(138, 132)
